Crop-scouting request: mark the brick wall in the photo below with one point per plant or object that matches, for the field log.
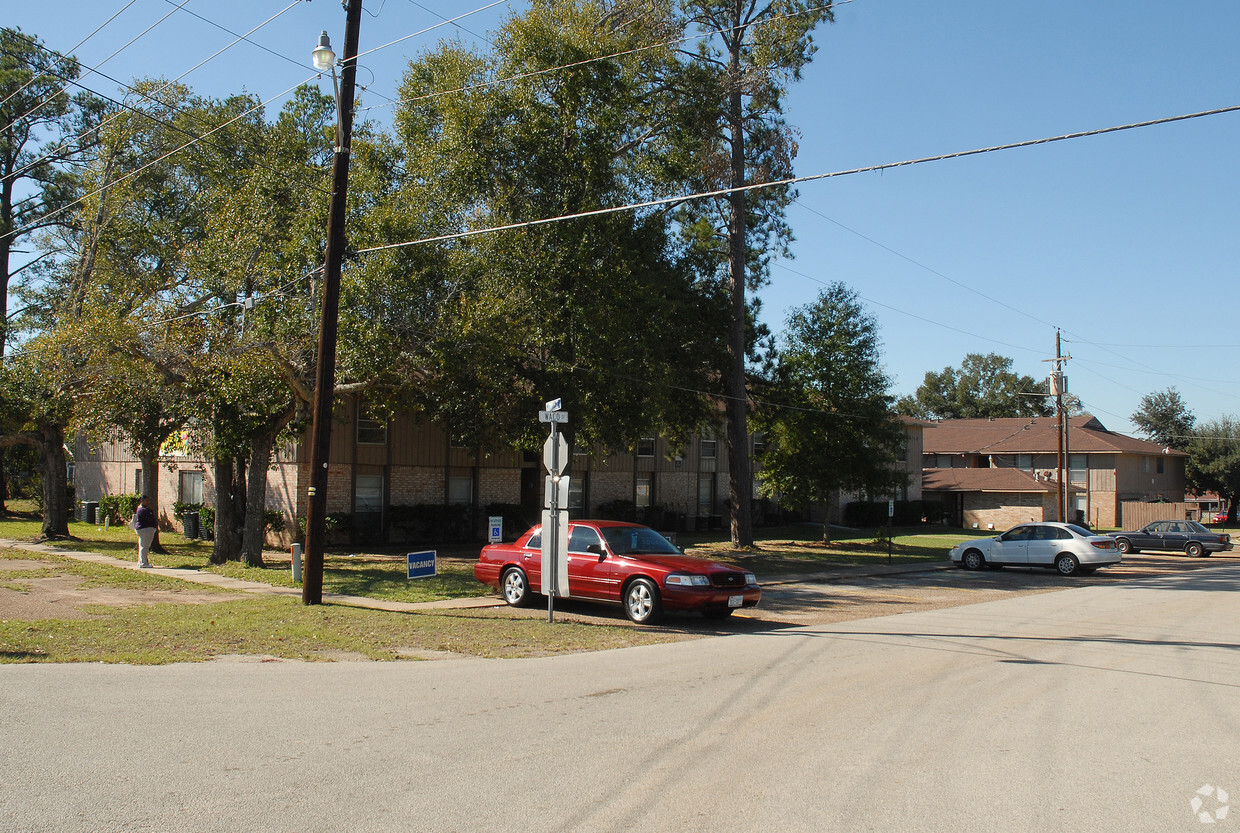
(1004, 510)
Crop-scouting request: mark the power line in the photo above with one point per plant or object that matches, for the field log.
(782, 183)
(60, 58)
(52, 97)
(148, 96)
(139, 170)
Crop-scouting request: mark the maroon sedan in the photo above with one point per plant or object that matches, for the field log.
(625, 563)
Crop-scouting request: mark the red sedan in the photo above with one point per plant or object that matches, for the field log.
(624, 563)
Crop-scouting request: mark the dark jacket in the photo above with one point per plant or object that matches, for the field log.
(146, 517)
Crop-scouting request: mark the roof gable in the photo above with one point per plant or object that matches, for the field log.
(1032, 435)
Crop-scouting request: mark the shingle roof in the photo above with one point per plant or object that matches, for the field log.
(1032, 435)
(986, 480)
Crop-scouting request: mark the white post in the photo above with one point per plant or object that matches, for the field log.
(296, 551)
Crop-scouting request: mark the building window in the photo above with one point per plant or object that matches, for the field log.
(710, 446)
(190, 487)
(368, 494)
(370, 429)
(1160, 465)
(460, 489)
(759, 444)
(137, 482)
(644, 491)
(1145, 465)
(577, 491)
(645, 447)
(1024, 462)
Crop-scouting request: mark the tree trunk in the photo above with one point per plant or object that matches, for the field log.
(256, 500)
(150, 487)
(826, 519)
(55, 502)
(227, 521)
(740, 472)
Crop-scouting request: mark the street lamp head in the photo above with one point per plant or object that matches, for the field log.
(324, 57)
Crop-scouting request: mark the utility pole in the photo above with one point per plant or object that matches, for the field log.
(1057, 387)
(325, 369)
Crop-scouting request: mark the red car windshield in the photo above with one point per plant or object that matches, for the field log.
(629, 540)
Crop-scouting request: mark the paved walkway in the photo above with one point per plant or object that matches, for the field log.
(243, 586)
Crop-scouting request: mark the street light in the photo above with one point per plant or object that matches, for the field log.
(325, 368)
(324, 60)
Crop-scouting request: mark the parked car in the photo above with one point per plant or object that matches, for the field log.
(1068, 548)
(1219, 518)
(623, 563)
(1188, 537)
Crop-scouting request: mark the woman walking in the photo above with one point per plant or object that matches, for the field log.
(145, 525)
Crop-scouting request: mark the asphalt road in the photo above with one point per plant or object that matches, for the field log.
(1104, 707)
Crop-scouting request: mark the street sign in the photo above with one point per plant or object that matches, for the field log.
(421, 564)
(554, 554)
(555, 453)
(891, 508)
(554, 404)
(495, 527)
(553, 416)
(556, 494)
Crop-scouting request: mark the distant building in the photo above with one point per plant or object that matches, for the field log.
(995, 473)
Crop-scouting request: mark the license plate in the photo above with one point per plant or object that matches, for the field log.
(736, 601)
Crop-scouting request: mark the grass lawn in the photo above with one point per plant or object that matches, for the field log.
(150, 626)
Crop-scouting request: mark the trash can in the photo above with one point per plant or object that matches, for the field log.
(92, 511)
(190, 524)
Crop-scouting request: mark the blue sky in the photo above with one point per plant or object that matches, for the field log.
(1128, 242)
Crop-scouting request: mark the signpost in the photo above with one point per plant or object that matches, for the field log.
(555, 514)
(495, 527)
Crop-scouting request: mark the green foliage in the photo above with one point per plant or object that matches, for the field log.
(827, 413)
(605, 312)
(1164, 418)
(118, 508)
(985, 386)
(1214, 458)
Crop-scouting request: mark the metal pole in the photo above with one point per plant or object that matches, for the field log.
(551, 568)
(325, 369)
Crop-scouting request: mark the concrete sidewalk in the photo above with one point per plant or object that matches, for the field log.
(256, 587)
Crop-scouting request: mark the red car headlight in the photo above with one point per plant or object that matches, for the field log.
(686, 580)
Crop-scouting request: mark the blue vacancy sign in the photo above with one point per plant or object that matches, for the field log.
(422, 564)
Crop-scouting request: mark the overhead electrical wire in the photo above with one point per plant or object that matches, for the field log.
(52, 97)
(148, 96)
(139, 170)
(36, 76)
(795, 180)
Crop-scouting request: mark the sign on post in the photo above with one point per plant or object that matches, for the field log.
(554, 554)
(495, 529)
(422, 564)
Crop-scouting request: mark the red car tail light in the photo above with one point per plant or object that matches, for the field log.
(1104, 545)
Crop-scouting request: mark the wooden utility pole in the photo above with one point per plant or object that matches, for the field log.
(1062, 464)
(325, 369)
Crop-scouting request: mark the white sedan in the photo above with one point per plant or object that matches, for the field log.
(1068, 548)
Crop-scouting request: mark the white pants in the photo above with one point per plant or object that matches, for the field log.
(146, 536)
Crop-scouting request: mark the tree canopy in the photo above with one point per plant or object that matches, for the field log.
(829, 424)
(984, 386)
(1162, 417)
